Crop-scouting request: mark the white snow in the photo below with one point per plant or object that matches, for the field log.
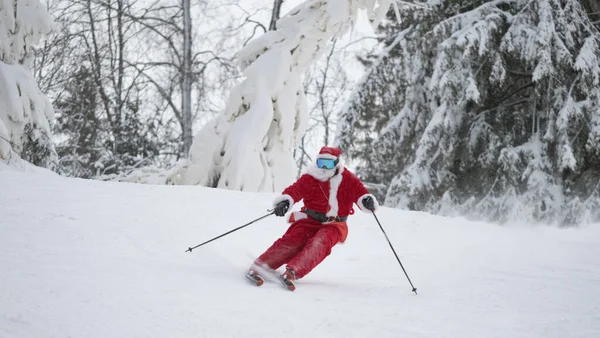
(103, 259)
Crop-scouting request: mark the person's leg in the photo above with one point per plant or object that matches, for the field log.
(288, 245)
(314, 252)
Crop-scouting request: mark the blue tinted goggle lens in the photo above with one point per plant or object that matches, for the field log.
(326, 163)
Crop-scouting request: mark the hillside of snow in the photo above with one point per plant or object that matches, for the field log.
(83, 258)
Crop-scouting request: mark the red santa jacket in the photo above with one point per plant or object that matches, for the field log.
(332, 196)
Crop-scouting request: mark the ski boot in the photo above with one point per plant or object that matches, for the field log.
(254, 277)
(288, 278)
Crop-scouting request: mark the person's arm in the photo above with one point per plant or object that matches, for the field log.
(292, 194)
(362, 197)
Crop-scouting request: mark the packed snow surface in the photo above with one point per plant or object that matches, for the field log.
(85, 258)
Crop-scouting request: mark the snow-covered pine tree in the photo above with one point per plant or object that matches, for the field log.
(78, 126)
(25, 112)
(493, 111)
(250, 145)
(371, 130)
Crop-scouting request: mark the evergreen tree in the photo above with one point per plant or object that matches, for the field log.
(88, 145)
(78, 126)
(489, 108)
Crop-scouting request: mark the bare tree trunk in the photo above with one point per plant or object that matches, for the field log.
(186, 87)
(120, 60)
(324, 87)
(119, 116)
(97, 64)
(275, 14)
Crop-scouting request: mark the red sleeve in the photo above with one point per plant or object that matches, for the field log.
(359, 189)
(298, 190)
(359, 192)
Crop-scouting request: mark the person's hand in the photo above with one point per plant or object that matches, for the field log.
(281, 208)
(368, 203)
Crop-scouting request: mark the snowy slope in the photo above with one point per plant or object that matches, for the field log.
(95, 259)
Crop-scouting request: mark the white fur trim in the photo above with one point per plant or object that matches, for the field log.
(362, 207)
(329, 156)
(283, 198)
(335, 181)
(334, 185)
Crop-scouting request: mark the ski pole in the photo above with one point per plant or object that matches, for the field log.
(394, 251)
(271, 212)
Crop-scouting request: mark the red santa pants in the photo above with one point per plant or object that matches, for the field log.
(305, 244)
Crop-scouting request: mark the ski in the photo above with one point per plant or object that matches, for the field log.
(254, 278)
(288, 284)
(255, 275)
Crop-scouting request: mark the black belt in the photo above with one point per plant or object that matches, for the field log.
(321, 217)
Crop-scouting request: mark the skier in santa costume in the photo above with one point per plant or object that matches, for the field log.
(329, 191)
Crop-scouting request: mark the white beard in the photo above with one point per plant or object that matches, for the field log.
(322, 175)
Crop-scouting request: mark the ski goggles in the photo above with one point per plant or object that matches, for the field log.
(326, 163)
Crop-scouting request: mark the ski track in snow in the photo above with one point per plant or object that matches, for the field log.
(85, 258)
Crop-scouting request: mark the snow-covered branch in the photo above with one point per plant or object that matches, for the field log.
(26, 112)
(249, 147)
